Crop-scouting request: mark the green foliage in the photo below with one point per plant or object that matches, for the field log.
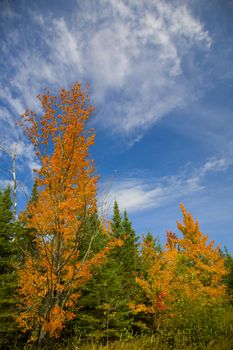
(24, 236)
(229, 278)
(103, 310)
(7, 273)
(154, 241)
(193, 323)
(129, 251)
(117, 227)
(91, 241)
(104, 318)
(221, 339)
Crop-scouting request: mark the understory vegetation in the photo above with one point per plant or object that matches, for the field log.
(70, 279)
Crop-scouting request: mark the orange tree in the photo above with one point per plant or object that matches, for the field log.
(50, 280)
(202, 265)
(187, 273)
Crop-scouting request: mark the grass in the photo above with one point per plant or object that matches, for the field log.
(155, 344)
(223, 341)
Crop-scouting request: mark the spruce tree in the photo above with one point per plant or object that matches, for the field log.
(7, 273)
(116, 224)
(228, 279)
(105, 313)
(88, 321)
(25, 236)
(130, 248)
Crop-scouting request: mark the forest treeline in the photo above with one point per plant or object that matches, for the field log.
(69, 276)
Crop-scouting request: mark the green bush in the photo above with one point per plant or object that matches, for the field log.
(193, 324)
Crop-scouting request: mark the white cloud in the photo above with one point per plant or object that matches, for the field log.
(15, 103)
(133, 53)
(20, 187)
(137, 194)
(25, 155)
(5, 183)
(215, 164)
(6, 119)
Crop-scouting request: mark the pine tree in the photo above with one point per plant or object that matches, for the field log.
(105, 313)
(228, 279)
(117, 228)
(7, 274)
(86, 324)
(34, 194)
(26, 236)
(129, 250)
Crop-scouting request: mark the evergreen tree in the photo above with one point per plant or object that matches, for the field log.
(116, 224)
(105, 313)
(25, 236)
(228, 279)
(91, 241)
(129, 251)
(7, 273)
(34, 194)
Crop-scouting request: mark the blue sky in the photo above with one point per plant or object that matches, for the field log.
(161, 75)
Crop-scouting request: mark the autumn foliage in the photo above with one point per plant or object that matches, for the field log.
(177, 291)
(188, 270)
(50, 280)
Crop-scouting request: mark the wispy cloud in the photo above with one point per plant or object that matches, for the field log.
(25, 155)
(138, 194)
(25, 160)
(21, 188)
(135, 55)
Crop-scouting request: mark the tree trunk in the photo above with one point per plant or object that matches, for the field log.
(15, 184)
(41, 340)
